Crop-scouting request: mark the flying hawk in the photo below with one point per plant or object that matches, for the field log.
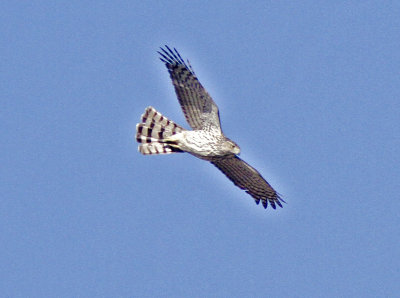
(159, 135)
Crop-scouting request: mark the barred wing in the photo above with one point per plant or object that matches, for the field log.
(200, 110)
(247, 178)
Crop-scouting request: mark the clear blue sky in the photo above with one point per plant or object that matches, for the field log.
(309, 90)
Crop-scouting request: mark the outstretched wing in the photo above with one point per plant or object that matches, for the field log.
(246, 177)
(200, 110)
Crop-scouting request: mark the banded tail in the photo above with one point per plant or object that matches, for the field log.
(152, 131)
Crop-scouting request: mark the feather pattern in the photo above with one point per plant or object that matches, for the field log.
(153, 131)
(199, 109)
(249, 179)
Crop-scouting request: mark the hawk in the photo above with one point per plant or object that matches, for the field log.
(159, 135)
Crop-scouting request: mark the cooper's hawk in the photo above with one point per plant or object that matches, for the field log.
(159, 135)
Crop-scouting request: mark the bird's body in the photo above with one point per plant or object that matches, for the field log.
(203, 144)
(159, 135)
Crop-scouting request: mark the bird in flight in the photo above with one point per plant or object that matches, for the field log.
(156, 134)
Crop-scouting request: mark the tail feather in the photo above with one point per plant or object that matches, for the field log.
(153, 130)
(157, 148)
(151, 118)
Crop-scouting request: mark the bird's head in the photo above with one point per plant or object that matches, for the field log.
(231, 147)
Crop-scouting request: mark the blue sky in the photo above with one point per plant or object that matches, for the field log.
(309, 90)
